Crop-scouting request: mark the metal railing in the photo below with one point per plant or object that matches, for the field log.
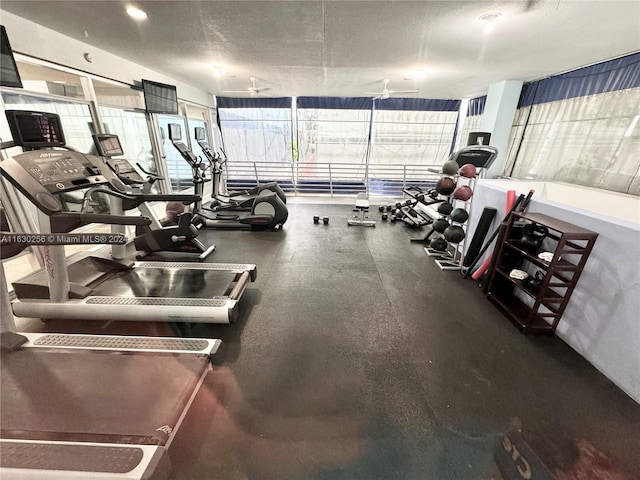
(333, 179)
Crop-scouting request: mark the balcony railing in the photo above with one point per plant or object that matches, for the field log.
(333, 179)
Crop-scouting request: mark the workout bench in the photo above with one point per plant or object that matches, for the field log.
(362, 206)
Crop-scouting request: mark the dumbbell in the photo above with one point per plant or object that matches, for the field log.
(325, 220)
(385, 216)
(316, 219)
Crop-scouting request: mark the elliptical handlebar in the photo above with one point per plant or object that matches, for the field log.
(152, 177)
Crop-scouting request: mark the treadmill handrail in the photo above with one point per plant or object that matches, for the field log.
(68, 221)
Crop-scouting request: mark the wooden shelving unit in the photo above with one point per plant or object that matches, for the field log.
(539, 308)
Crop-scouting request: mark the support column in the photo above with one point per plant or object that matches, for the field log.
(499, 112)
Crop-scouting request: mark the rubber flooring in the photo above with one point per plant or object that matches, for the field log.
(356, 358)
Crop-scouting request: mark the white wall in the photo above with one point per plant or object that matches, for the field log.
(35, 40)
(601, 321)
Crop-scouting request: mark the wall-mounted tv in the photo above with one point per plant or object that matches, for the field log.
(35, 129)
(160, 97)
(9, 76)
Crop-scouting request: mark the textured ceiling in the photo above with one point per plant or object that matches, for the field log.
(346, 48)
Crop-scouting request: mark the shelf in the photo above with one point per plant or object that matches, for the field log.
(516, 311)
(542, 308)
(548, 298)
(533, 258)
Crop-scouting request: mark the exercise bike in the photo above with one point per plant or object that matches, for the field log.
(158, 238)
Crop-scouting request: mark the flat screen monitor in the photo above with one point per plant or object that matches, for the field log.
(107, 145)
(35, 129)
(9, 76)
(160, 98)
(200, 134)
(175, 132)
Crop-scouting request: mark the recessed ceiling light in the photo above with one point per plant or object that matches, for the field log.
(136, 13)
(489, 19)
(218, 71)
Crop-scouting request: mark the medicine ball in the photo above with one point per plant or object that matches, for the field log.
(440, 225)
(445, 208)
(439, 244)
(450, 167)
(459, 215)
(445, 186)
(468, 170)
(463, 193)
(454, 234)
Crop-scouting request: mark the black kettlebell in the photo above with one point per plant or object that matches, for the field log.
(534, 283)
(532, 236)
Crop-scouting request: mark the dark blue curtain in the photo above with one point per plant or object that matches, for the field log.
(476, 106)
(260, 102)
(618, 74)
(418, 104)
(335, 103)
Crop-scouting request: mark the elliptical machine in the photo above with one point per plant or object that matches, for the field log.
(268, 211)
(222, 199)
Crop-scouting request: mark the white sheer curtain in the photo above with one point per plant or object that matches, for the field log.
(403, 137)
(471, 124)
(592, 141)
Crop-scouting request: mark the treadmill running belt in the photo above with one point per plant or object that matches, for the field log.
(95, 396)
(77, 458)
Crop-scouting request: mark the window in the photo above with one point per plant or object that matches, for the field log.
(42, 79)
(133, 132)
(257, 134)
(180, 173)
(403, 137)
(75, 116)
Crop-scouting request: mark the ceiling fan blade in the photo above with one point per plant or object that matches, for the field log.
(404, 91)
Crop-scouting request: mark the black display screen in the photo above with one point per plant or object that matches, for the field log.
(35, 129)
(108, 145)
(200, 134)
(160, 98)
(175, 132)
(9, 76)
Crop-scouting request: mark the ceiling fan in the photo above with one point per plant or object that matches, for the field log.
(252, 90)
(386, 93)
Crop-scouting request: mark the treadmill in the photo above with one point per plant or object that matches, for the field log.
(92, 406)
(88, 286)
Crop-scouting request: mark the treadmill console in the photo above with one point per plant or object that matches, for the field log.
(42, 173)
(108, 147)
(478, 155)
(124, 171)
(59, 171)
